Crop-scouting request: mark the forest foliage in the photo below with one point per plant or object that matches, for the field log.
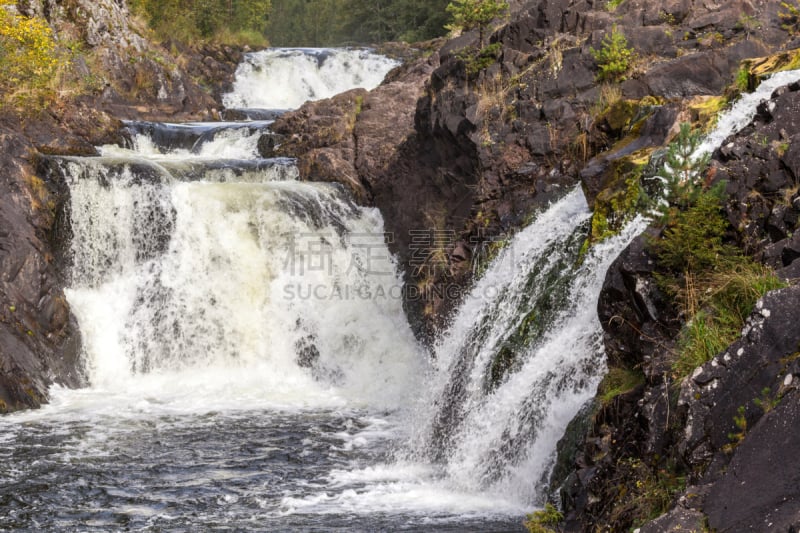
(230, 21)
(342, 22)
(28, 56)
(294, 22)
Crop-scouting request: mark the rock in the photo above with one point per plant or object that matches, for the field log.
(39, 340)
(758, 492)
(790, 273)
(678, 520)
(702, 73)
(267, 144)
(633, 312)
(791, 250)
(140, 78)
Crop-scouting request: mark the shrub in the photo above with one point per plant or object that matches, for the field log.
(28, 57)
(478, 60)
(614, 58)
(545, 520)
(693, 238)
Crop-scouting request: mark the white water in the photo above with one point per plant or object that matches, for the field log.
(213, 279)
(285, 78)
(233, 144)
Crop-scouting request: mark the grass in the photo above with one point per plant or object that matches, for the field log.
(712, 283)
(718, 303)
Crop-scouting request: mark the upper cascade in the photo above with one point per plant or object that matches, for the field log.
(285, 78)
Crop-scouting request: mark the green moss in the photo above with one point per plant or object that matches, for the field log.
(619, 114)
(619, 381)
(488, 253)
(761, 68)
(704, 110)
(620, 197)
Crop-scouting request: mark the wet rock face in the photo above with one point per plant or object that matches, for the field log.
(39, 340)
(635, 315)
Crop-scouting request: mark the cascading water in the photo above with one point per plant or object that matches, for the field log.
(284, 78)
(250, 363)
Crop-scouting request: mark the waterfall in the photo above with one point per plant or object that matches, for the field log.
(534, 313)
(284, 78)
(181, 263)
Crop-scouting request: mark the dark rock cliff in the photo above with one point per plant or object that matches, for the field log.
(721, 431)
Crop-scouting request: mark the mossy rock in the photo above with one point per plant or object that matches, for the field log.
(762, 67)
(617, 118)
(704, 110)
(620, 196)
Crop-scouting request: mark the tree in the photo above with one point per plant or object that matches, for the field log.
(614, 57)
(28, 55)
(471, 14)
(683, 170)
